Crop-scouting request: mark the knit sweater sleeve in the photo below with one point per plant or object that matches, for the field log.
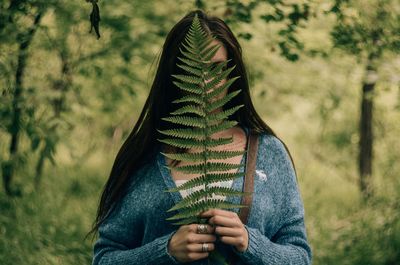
(289, 244)
(116, 238)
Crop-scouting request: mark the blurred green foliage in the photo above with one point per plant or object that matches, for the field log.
(309, 95)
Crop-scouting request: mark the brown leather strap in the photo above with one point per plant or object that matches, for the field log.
(248, 183)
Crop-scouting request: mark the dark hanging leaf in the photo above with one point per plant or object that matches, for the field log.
(94, 18)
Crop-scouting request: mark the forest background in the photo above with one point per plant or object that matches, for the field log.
(325, 75)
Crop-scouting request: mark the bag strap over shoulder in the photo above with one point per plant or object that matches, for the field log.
(248, 183)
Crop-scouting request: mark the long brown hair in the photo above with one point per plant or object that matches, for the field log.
(141, 144)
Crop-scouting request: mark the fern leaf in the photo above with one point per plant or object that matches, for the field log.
(216, 70)
(221, 126)
(189, 39)
(199, 207)
(206, 43)
(190, 48)
(189, 79)
(209, 178)
(190, 109)
(186, 120)
(210, 166)
(192, 57)
(195, 143)
(186, 133)
(215, 117)
(197, 53)
(188, 87)
(190, 63)
(224, 154)
(198, 134)
(221, 102)
(220, 89)
(197, 195)
(191, 70)
(195, 157)
(217, 142)
(190, 98)
(214, 82)
(209, 53)
(227, 191)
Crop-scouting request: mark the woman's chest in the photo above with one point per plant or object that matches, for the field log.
(152, 210)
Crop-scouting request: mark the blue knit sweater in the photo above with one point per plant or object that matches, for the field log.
(136, 232)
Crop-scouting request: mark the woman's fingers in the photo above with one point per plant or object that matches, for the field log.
(201, 238)
(224, 224)
(228, 227)
(234, 241)
(193, 256)
(199, 247)
(213, 212)
(224, 221)
(186, 245)
(194, 228)
(220, 217)
(227, 231)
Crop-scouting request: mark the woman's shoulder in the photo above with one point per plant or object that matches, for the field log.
(144, 170)
(133, 192)
(269, 143)
(274, 158)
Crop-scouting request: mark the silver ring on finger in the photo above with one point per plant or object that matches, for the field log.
(201, 229)
(204, 247)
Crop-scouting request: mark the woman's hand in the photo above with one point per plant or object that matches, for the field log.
(186, 244)
(229, 227)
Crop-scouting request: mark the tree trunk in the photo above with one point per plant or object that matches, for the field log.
(366, 134)
(62, 85)
(8, 170)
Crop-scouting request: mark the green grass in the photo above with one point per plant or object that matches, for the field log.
(48, 227)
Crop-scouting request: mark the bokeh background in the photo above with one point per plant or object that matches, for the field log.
(69, 99)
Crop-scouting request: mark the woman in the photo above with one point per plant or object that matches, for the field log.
(132, 211)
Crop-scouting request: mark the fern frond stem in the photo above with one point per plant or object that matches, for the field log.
(203, 95)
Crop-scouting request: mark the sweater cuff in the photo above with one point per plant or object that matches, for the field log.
(165, 248)
(254, 252)
(154, 252)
